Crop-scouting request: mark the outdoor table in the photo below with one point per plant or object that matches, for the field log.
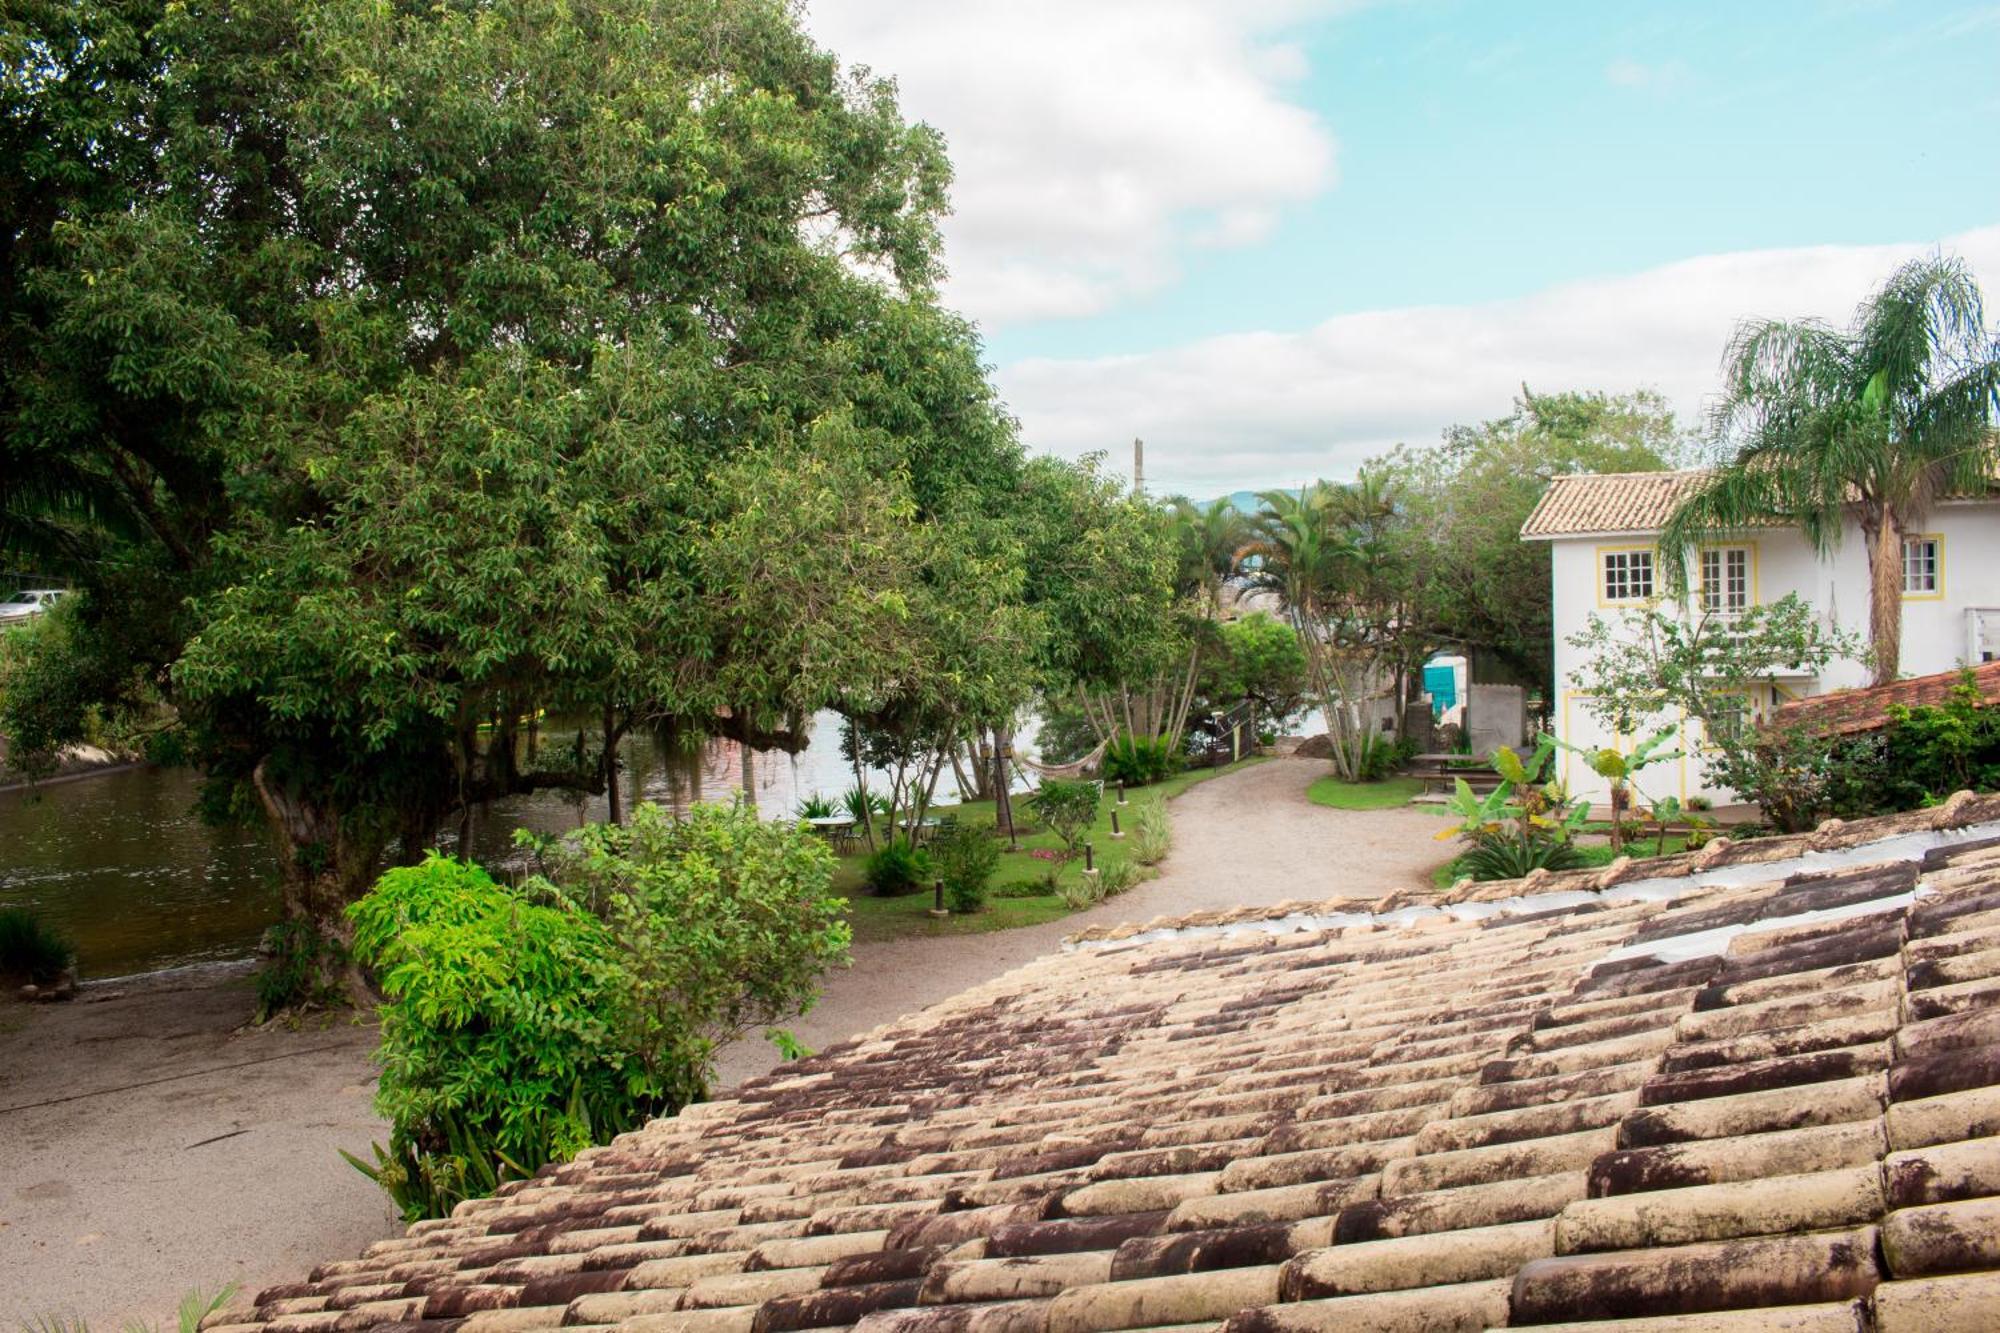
(831, 823)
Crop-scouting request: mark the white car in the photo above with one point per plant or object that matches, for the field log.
(28, 603)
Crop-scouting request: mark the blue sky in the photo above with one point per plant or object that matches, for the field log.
(1515, 162)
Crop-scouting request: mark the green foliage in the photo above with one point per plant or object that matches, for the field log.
(789, 1047)
(1655, 662)
(1382, 756)
(1067, 809)
(1116, 877)
(1932, 751)
(896, 869)
(523, 1024)
(966, 858)
(1139, 761)
(298, 960)
(1257, 657)
(1468, 575)
(30, 949)
(1499, 857)
(1868, 425)
(1385, 795)
(640, 401)
(817, 806)
(1526, 822)
(1152, 833)
(498, 1053)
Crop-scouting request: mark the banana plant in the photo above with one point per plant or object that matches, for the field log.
(1619, 769)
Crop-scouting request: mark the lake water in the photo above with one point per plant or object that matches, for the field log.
(121, 865)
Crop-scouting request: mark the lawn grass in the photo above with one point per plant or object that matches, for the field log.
(875, 919)
(1594, 854)
(1384, 795)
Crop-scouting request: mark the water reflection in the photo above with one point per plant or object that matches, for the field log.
(122, 866)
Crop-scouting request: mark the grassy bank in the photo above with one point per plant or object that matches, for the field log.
(1330, 791)
(897, 918)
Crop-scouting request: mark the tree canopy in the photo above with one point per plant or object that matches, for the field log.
(383, 373)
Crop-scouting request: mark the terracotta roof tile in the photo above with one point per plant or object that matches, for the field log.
(1848, 712)
(1690, 1102)
(1610, 502)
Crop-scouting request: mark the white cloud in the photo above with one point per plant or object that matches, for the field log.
(1271, 409)
(1094, 143)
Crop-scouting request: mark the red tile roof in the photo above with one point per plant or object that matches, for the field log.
(1767, 1103)
(1848, 712)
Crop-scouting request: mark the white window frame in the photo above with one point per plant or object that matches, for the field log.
(1726, 573)
(1929, 581)
(1628, 564)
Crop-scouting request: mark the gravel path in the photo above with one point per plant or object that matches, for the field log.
(1248, 837)
(150, 1143)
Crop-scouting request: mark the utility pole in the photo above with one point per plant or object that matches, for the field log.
(1138, 466)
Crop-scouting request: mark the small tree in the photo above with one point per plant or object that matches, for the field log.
(1068, 809)
(1654, 662)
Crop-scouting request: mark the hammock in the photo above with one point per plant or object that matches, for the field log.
(1073, 769)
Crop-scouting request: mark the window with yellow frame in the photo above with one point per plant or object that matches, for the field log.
(1923, 567)
(1625, 575)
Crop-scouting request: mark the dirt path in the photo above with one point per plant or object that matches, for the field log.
(150, 1143)
(1247, 837)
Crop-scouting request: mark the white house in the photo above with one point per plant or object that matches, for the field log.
(1602, 533)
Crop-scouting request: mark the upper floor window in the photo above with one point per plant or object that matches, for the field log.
(1923, 569)
(1725, 579)
(1628, 576)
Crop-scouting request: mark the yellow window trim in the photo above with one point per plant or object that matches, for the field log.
(1937, 595)
(1597, 576)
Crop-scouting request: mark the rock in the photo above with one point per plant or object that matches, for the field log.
(1314, 747)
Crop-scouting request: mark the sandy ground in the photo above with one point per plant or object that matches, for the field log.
(150, 1143)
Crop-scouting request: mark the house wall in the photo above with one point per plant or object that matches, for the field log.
(1940, 632)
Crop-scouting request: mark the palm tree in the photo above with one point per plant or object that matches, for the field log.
(1319, 551)
(1872, 423)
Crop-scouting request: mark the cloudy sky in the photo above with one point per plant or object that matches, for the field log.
(1274, 237)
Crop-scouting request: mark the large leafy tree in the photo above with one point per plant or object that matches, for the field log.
(1473, 582)
(404, 369)
(1869, 424)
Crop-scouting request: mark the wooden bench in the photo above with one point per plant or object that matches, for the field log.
(1440, 772)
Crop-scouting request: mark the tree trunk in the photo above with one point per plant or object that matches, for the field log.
(614, 802)
(1885, 598)
(320, 872)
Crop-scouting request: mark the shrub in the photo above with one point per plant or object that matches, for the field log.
(30, 949)
(966, 857)
(298, 962)
(1023, 888)
(1510, 857)
(817, 806)
(1116, 877)
(897, 869)
(1138, 761)
(1381, 756)
(1082, 892)
(1152, 833)
(1067, 809)
(522, 1025)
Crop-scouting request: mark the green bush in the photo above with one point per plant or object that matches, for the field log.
(1381, 756)
(897, 869)
(1116, 877)
(1510, 857)
(522, 1025)
(297, 961)
(966, 858)
(1152, 833)
(1067, 809)
(31, 950)
(1139, 761)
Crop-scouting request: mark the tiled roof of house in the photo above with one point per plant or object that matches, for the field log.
(1612, 502)
(1848, 712)
(1754, 1087)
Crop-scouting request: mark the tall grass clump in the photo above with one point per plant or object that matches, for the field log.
(1152, 833)
(30, 949)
